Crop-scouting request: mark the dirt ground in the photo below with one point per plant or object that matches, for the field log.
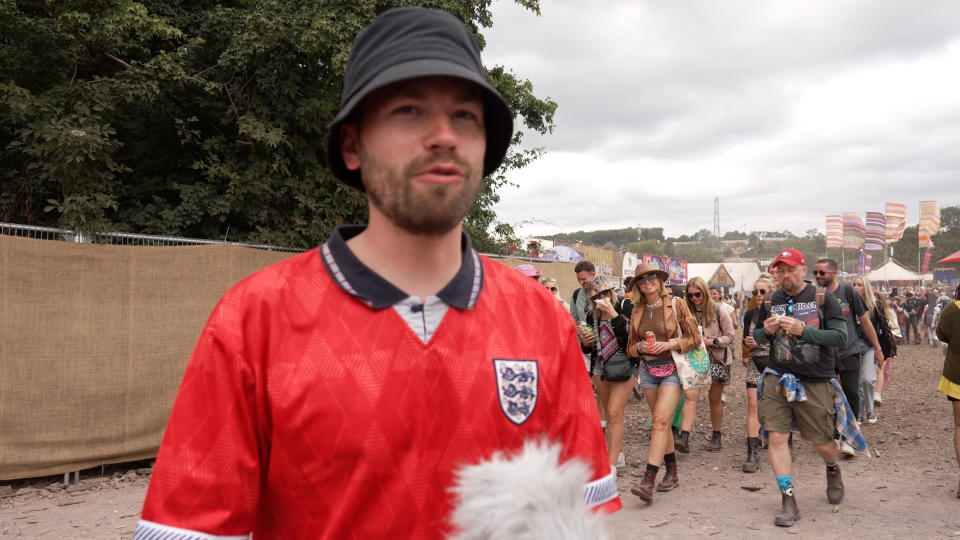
(904, 487)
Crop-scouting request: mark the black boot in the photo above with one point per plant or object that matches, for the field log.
(644, 489)
(714, 445)
(683, 443)
(789, 513)
(670, 479)
(834, 485)
(752, 461)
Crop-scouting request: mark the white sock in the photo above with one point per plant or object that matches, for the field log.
(603, 423)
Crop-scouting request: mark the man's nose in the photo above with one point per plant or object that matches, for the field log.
(440, 132)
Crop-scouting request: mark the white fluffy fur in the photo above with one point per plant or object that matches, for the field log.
(524, 497)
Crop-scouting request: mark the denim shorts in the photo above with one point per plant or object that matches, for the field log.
(646, 380)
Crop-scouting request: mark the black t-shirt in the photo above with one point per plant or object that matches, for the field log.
(808, 361)
(852, 306)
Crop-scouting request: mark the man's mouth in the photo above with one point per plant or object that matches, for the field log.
(441, 174)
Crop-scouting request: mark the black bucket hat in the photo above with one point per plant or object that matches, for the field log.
(407, 43)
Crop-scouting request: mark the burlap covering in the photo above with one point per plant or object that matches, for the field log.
(93, 343)
(94, 340)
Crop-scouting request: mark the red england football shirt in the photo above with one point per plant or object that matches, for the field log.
(313, 407)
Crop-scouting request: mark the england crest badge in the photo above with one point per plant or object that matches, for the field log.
(517, 387)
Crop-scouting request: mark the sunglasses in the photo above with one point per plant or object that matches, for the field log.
(759, 291)
(822, 272)
(697, 294)
(789, 306)
(649, 278)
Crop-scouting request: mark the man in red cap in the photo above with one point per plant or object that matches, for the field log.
(339, 393)
(803, 325)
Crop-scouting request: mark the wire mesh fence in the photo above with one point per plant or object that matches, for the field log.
(123, 239)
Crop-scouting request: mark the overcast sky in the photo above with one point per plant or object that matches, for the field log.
(786, 111)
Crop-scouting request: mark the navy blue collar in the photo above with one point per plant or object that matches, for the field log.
(358, 280)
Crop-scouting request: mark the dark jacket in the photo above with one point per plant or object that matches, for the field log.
(948, 331)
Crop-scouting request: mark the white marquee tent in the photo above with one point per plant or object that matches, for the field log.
(892, 272)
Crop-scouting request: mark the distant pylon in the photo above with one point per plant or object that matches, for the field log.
(716, 225)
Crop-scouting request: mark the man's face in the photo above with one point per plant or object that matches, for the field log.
(824, 275)
(791, 277)
(419, 146)
(583, 277)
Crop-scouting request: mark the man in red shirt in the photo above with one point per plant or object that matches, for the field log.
(336, 394)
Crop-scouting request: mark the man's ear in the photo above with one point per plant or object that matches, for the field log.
(350, 146)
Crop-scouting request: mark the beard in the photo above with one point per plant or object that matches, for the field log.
(430, 210)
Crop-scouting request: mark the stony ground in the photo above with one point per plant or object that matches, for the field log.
(905, 487)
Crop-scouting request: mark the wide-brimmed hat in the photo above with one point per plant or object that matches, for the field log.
(408, 43)
(647, 268)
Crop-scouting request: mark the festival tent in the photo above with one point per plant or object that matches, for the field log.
(744, 274)
(950, 258)
(712, 273)
(893, 272)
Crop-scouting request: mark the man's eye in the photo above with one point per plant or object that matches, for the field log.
(467, 115)
(405, 109)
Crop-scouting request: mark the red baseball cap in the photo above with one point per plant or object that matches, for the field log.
(790, 257)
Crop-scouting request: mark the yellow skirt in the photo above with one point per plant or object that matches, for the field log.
(951, 389)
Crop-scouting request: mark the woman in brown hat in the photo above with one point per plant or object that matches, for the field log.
(654, 333)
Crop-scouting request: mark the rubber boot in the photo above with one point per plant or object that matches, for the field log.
(670, 479)
(682, 444)
(715, 444)
(644, 489)
(789, 513)
(752, 461)
(834, 486)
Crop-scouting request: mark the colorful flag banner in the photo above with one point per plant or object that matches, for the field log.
(876, 233)
(863, 265)
(834, 231)
(853, 230)
(896, 221)
(929, 222)
(926, 261)
(676, 268)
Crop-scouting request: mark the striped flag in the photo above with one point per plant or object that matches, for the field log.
(834, 231)
(896, 221)
(929, 222)
(876, 233)
(853, 230)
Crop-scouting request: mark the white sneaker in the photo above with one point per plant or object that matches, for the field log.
(872, 418)
(847, 450)
(621, 462)
(877, 400)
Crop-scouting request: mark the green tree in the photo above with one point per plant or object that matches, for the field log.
(200, 118)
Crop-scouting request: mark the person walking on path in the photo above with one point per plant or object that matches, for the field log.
(798, 385)
(606, 343)
(716, 327)
(861, 345)
(911, 310)
(889, 346)
(948, 331)
(339, 393)
(755, 361)
(653, 334)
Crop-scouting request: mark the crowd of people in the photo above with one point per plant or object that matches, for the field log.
(824, 348)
